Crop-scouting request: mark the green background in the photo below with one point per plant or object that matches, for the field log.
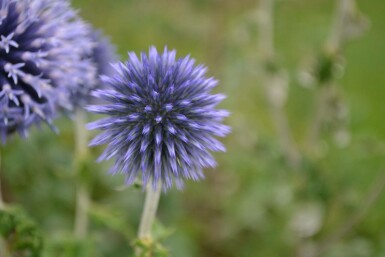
(252, 204)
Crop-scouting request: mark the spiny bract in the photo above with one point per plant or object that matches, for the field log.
(42, 49)
(161, 119)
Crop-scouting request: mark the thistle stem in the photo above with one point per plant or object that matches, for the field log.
(376, 190)
(4, 248)
(2, 205)
(266, 29)
(321, 109)
(333, 46)
(1, 199)
(336, 38)
(3, 245)
(149, 211)
(82, 195)
(275, 82)
(81, 216)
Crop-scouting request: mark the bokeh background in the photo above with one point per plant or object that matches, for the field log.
(255, 203)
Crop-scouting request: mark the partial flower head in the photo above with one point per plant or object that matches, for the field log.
(161, 119)
(103, 54)
(42, 45)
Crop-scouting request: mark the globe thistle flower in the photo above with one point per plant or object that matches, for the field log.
(162, 120)
(42, 45)
(103, 54)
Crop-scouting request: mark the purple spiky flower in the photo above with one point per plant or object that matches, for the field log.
(162, 120)
(103, 54)
(42, 45)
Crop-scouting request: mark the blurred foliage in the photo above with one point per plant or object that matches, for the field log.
(66, 245)
(20, 234)
(149, 249)
(153, 247)
(253, 204)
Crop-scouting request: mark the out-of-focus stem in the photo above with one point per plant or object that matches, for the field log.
(275, 82)
(321, 106)
(337, 34)
(3, 245)
(1, 194)
(375, 191)
(4, 252)
(149, 211)
(266, 29)
(333, 47)
(1, 199)
(82, 195)
(81, 215)
(287, 145)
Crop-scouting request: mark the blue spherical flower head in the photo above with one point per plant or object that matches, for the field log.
(162, 120)
(104, 53)
(42, 44)
(102, 56)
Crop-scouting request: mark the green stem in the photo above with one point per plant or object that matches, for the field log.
(3, 248)
(82, 195)
(1, 199)
(2, 205)
(149, 211)
(275, 82)
(336, 38)
(266, 30)
(320, 112)
(333, 46)
(375, 192)
(3, 245)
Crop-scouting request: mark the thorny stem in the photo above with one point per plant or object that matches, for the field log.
(275, 82)
(82, 195)
(149, 211)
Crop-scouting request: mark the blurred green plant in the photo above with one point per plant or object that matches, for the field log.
(253, 204)
(152, 247)
(21, 235)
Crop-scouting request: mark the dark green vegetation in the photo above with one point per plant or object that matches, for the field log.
(253, 204)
